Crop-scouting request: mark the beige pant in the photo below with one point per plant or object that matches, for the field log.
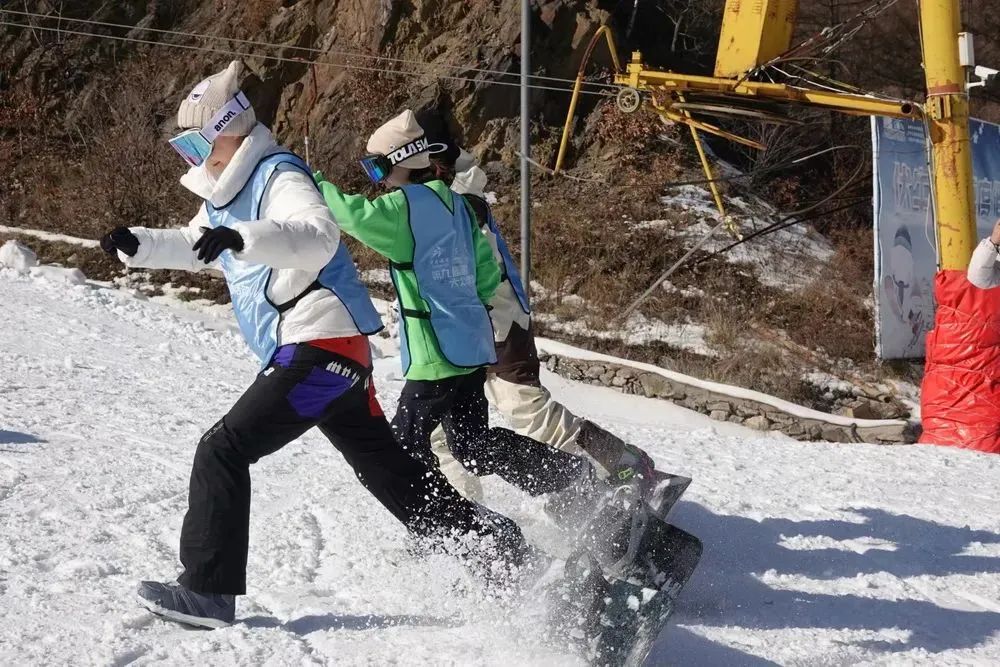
(530, 411)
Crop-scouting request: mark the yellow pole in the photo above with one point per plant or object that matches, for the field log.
(568, 127)
(706, 166)
(947, 115)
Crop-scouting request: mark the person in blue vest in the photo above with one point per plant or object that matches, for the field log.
(445, 275)
(513, 383)
(306, 316)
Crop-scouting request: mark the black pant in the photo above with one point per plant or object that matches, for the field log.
(459, 405)
(306, 387)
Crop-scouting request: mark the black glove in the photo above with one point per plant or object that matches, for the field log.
(214, 241)
(120, 238)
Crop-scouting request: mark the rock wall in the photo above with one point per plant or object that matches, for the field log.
(722, 407)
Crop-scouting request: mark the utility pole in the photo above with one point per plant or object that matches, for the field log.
(526, 146)
(948, 125)
(957, 390)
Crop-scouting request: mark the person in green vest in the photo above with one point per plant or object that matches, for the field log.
(444, 274)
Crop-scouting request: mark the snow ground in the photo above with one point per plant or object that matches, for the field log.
(816, 554)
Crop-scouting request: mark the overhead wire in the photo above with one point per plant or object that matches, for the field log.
(830, 38)
(303, 61)
(304, 49)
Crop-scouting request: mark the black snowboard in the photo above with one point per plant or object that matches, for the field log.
(667, 490)
(616, 618)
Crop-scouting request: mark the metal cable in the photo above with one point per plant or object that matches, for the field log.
(303, 61)
(304, 49)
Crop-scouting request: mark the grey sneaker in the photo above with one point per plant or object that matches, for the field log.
(176, 603)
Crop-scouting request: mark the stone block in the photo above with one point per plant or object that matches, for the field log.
(832, 433)
(794, 430)
(894, 434)
(758, 423)
(626, 372)
(655, 385)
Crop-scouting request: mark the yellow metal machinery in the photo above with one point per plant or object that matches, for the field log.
(754, 32)
(757, 33)
(603, 31)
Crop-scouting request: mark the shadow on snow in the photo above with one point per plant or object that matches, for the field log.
(725, 590)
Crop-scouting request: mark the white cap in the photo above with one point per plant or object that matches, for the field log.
(208, 97)
(398, 132)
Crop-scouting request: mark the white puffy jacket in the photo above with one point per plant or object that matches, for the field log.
(506, 309)
(296, 236)
(984, 270)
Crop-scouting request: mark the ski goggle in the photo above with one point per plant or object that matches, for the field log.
(378, 166)
(194, 146)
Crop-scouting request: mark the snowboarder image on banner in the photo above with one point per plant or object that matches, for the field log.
(513, 384)
(906, 293)
(306, 316)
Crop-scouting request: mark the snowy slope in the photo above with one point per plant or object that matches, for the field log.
(815, 554)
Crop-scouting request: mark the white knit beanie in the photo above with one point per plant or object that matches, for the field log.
(398, 132)
(205, 100)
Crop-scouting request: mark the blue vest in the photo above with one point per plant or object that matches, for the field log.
(510, 271)
(444, 262)
(257, 316)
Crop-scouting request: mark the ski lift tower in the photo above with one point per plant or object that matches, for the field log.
(756, 37)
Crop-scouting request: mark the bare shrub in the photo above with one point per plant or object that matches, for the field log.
(125, 165)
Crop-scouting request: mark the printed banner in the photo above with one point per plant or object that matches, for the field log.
(905, 247)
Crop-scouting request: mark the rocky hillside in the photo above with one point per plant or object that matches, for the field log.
(84, 110)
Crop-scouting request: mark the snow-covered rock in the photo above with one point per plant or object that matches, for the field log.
(17, 256)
